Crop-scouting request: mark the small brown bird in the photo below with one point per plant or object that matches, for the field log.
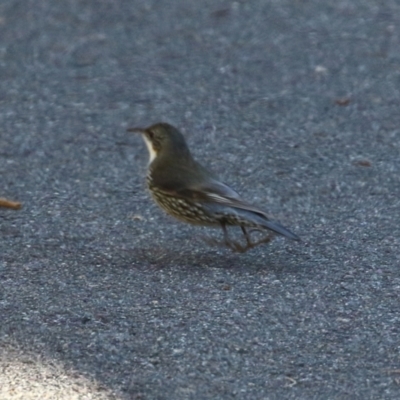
(189, 192)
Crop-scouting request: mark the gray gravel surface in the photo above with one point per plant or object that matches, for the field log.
(293, 103)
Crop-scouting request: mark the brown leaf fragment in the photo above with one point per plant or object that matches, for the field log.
(15, 205)
(343, 101)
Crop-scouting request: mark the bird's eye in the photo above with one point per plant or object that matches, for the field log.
(150, 134)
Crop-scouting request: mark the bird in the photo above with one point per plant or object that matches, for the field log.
(188, 191)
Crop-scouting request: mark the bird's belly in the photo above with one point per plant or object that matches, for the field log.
(184, 210)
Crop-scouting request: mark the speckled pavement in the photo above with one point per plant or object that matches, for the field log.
(295, 104)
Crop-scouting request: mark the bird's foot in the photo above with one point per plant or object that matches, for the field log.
(266, 239)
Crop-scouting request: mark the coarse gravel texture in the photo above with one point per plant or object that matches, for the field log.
(293, 103)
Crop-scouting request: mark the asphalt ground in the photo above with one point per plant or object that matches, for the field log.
(293, 103)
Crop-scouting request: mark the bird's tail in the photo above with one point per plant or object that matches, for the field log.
(251, 217)
(278, 228)
(262, 221)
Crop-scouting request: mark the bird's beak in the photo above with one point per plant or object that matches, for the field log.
(136, 130)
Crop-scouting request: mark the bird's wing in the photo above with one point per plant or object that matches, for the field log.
(217, 192)
(213, 191)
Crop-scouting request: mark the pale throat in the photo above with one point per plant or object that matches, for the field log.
(152, 152)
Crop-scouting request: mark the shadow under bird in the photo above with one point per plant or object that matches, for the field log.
(189, 192)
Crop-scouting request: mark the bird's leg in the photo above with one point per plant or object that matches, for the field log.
(251, 244)
(246, 235)
(236, 246)
(226, 242)
(214, 242)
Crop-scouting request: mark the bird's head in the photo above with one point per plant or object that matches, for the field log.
(163, 139)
